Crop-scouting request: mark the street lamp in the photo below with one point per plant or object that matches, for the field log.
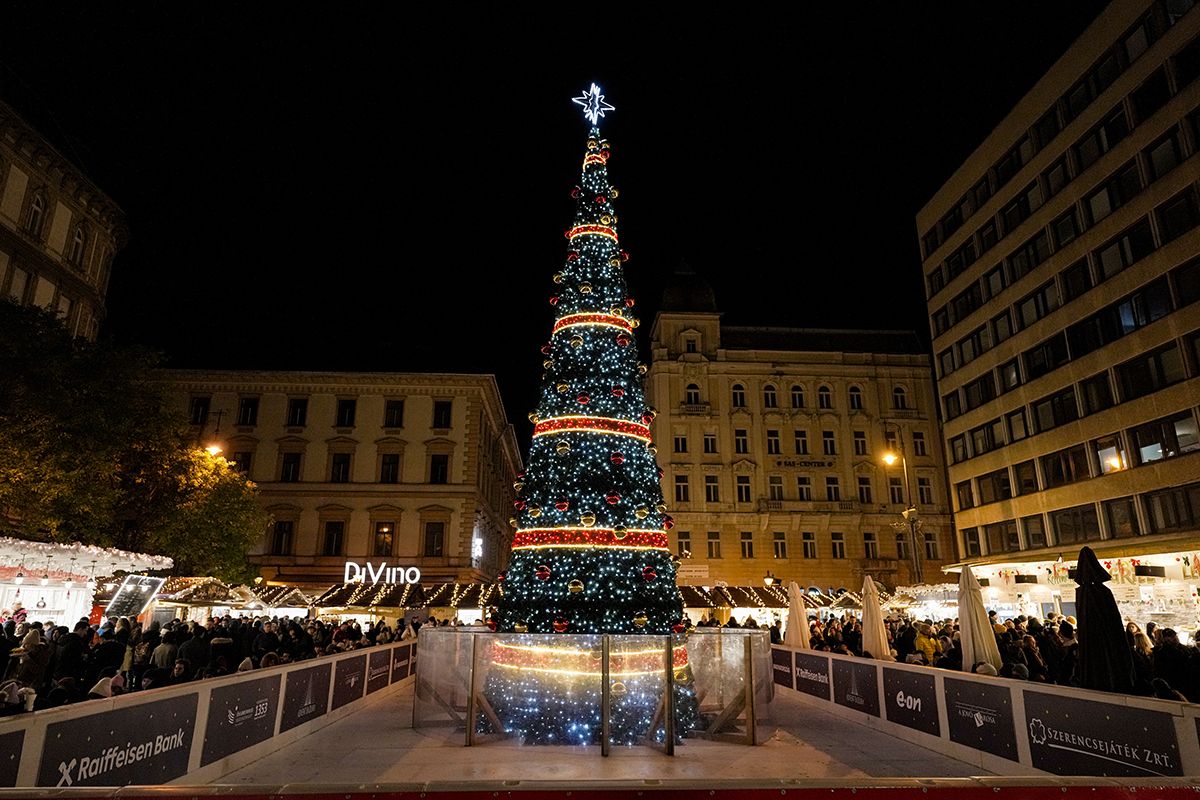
(214, 447)
(769, 579)
(912, 521)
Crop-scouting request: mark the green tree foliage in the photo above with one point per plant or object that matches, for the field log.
(90, 451)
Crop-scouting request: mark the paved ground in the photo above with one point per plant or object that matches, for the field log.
(376, 745)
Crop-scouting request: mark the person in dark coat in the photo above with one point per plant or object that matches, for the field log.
(195, 649)
(1105, 656)
(1173, 663)
(69, 652)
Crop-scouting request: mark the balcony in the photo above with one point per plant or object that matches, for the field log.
(817, 506)
(880, 564)
(694, 409)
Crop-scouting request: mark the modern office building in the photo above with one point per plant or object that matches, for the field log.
(1060, 264)
(58, 230)
(415, 470)
(772, 442)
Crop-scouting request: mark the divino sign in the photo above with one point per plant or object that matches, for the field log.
(381, 573)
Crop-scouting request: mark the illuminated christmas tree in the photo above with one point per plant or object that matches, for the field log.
(590, 554)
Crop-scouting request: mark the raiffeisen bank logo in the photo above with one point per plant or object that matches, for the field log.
(88, 767)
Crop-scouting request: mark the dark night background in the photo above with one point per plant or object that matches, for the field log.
(371, 190)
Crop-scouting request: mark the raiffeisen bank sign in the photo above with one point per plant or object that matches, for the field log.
(379, 573)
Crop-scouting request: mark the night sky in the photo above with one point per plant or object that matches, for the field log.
(356, 188)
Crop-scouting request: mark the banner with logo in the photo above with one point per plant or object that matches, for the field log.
(812, 675)
(239, 715)
(379, 668)
(781, 667)
(1069, 736)
(305, 696)
(855, 686)
(910, 699)
(11, 745)
(400, 662)
(348, 682)
(148, 743)
(980, 716)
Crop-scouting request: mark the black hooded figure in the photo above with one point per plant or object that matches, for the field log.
(1105, 660)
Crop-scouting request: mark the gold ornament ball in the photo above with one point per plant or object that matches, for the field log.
(575, 586)
(616, 311)
(592, 144)
(558, 277)
(614, 192)
(548, 363)
(641, 619)
(585, 288)
(642, 512)
(587, 520)
(682, 676)
(641, 369)
(620, 532)
(512, 521)
(563, 388)
(614, 262)
(562, 447)
(618, 689)
(533, 417)
(518, 486)
(576, 341)
(661, 508)
(634, 322)
(651, 449)
(535, 511)
(520, 627)
(605, 219)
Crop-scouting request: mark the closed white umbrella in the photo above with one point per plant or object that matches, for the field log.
(797, 627)
(874, 635)
(976, 637)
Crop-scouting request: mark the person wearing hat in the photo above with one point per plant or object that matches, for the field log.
(1070, 653)
(246, 665)
(926, 642)
(984, 668)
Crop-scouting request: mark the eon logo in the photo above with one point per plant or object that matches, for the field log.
(908, 701)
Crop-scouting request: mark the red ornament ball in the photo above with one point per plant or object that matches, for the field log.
(605, 153)
(500, 576)
(519, 505)
(648, 573)
(573, 256)
(562, 505)
(601, 199)
(547, 348)
(623, 339)
(584, 399)
(660, 472)
(629, 302)
(491, 624)
(612, 498)
(561, 624)
(553, 299)
(647, 419)
(668, 522)
(678, 627)
(575, 193)
(542, 572)
(617, 391)
(617, 458)
(624, 255)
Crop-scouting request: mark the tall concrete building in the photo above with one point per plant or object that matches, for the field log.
(1060, 264)
(772, 441)
(58, 230)
(415, 470)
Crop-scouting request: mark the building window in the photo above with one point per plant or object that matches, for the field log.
(971, 542)
(684, 544)
(247, 411)
(1025, 479)
(931, 547)
(439, 468)
(1174, 509)
(198, 410)
(710, 443)
(682, 494)
(1002, 537)
(1065, 466)
(384, 536)
(801, 442)
(918, 439)
(1110, 454)
(739, 396)
(808, 543)
(1121, 518)
(804, 487)
(1057, 409)
(712, 493)
(1125, 250)
(856, 400)
(870, 545)
(346, 408)
(435, 539)
(680, 444)
(1150, 372)
(297, 412)
(895, 491)
(901, 545)
(741, 441)
(994, 486)
(714, 544)
(899, 398)
(1017, 429)
(335, 534)
(78, 246)
(689, 346)
(773, 443)
(281, 537)
(779, 543)
(36, 217)
(864, 489)
(769, 397)
(743, 488)
(824, 397)
(691, 395)
(17, 287)
(925, 491)
(339, 470)
(747, 541)
(243, 460)
(1077, 524)
(838, 544)
(1165, 438)
(828, 443)
(958, 449)
(393, 414)
(389, 468)
(1035, 531)
(775, 487)
(443, 412)
(1165, 154)
(860, 443)
(289, 468)
(797, 396)
(833, 489)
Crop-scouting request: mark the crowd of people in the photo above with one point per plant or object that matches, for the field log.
(49, 665)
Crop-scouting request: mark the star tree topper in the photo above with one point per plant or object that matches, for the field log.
(593, 104)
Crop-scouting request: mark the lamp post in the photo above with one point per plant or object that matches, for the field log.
(214, 447)
(769, 579)
(912, 520)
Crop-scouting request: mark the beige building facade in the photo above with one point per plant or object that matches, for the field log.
(1060, 263)
(411, 470)
(58, 231)
(772, 441)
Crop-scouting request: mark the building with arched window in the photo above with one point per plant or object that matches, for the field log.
(412, 469)
(757, 485)
(58, 231)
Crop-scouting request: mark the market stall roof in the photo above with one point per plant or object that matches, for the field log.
(206, 591)
(696, 597)
(372, 595)
(462, 595)
(280, 596)
(747, 597)
(76, 558)
(848, 601)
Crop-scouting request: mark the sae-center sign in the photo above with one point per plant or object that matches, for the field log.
(980, 716)
(855, 686)
(148, 743)
(910, 699)
(1069, 736)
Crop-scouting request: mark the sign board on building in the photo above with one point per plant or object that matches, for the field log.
(353, 572)
(692, 574)
(134, 594)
